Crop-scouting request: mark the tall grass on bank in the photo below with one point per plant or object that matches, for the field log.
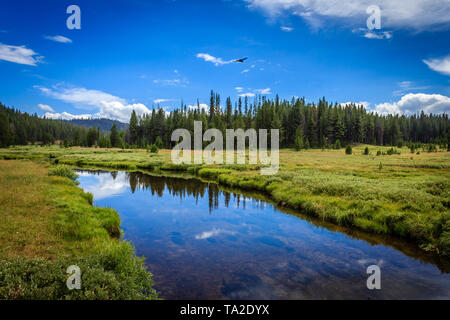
(47, 224)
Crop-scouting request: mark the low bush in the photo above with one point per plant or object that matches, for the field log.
(348, 150)
(63, 171)
(114, 274)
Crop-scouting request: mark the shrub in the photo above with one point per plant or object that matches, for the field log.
(380, 166)
(154, 148)
(378, 153)
(337, 144)
(63, 171)
(348, 150)
(298, 143)
(307, 145)
(392, 151)
(158, 142)
(366, 151)
(114, 274)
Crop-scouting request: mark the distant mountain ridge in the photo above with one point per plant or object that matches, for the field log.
(104, 124)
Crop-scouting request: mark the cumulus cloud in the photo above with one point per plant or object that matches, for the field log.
(209, 58)
(212, 233)
(239, 89)
(108, 106)
(45, 107)
(441, 65)
(60, 39)
(19, 54)
(67, 116)
(365, 104)
(416, 102)
(203, 106)
(79, 96)
(413, 14)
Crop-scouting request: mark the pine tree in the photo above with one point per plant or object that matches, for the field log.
(299, 139)
(133, 128)
(115, 137)
(5, 134)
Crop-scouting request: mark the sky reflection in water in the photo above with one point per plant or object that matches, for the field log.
(201, 242)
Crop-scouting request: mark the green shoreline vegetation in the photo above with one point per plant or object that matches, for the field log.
(380, 174)
(48, 224)
(381, 190)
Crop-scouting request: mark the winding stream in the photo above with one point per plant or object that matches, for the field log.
(204, 242)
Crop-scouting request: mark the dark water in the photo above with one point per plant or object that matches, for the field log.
(202, 242)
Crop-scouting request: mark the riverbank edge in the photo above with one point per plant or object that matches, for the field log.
(277, 193)
(88, 238)
(409, 230)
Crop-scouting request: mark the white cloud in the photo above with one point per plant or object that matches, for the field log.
(253, 92)
(415, 102)
(67, 116)
(213, 233)
(203, 106)
(79, 96)
(108, 106)
(365, 104)
(158, 101)
(378, 35)
(105, 186)
(287, 29)
(209, 58)
(263, 91)
(414, 14)
(245, 71)
(248, 94)
(407, 87)
(441, 65)
(172, 82)
(45, 107)
(60, 39)
(19, 54)
(119, 111)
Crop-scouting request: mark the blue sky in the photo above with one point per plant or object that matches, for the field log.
(135, 54)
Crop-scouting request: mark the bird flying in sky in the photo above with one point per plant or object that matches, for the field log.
(241, 60)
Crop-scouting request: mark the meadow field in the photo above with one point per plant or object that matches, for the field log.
(403, 194)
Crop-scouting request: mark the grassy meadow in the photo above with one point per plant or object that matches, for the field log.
(404, 194)
(47, 223)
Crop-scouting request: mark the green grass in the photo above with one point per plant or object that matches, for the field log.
(408, 195)
(47, 223)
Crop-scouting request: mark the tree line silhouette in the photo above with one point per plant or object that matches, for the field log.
(301, 125)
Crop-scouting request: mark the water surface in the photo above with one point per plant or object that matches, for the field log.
(204, 242)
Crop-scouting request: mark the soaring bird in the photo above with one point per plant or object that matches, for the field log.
(241, 60)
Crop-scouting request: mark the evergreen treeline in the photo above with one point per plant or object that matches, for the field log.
(301, 125)
(19, 128)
